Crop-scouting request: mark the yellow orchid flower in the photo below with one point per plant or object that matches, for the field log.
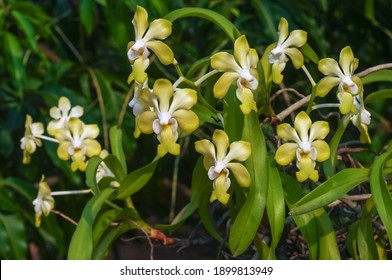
(62, 114)
(361, 120)
(172, 110)
(286, 47)
(242, 67)
(348, 85)
(305, 146)
(146, 36)
(30, 141)
(219, 163)
(44, 202)
(76, 142)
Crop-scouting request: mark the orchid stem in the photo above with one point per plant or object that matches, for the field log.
(308, 75)
(59, 193)
(205, 77)
(43, 137)
(327, 105)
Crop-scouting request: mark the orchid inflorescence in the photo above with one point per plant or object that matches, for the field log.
(168, 110)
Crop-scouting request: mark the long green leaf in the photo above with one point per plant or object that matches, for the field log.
(136, 180)
(116, 145)
(334, 188)
(249, 217)
(352, 240)
(13, 237)
(367, 248)
(275, 205)
(205, 217)
(378, 95)
(379, 76)
(328, 245)
(227, 26)
(380, 193)
(81, 246)
(306, 222)
(86, 11)
(91, 172)
(27, 28)
(13, 60)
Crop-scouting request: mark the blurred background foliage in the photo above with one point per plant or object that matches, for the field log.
(77, 48)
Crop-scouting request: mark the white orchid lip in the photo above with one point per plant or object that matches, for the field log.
(164, 118)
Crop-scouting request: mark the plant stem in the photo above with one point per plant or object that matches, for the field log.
(43, 137)
(59, 193)
(308, 75)
(205, 77)
(327, 105)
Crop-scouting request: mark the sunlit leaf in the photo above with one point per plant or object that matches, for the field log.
(136, 180)
(249, 217)
(378, 95)
(81, 246)
(227, 26)
(334, 188)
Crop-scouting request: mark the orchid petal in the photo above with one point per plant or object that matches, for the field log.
(297, 38)
(183, 99)
(93, 148)
(168, 142)
(295, 56)
(302, 124)
(222, 183)
(318, 130)
(223, 84)
(346, 104)
(224, 62)
(140, 22)
(240, 173)
(329, 66)
(145, 120)
(287, 133)
(163, 89)
(241, 50)
(286, 153)
(207, 149)
(283, 28)
(346, 58)
(159, 29)
(323, 151)
(306, 170)
(221, 141)
(162, 51)
(239, 150)
(187, 120)
(326, 84)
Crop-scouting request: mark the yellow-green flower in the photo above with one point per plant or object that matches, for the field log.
(76, 142)
(62, 114)
(172, 110)
(44, 202)
(219, 163)
(286, 47)
(305, 146)
(147, 38)
(30, 141)
(242, 67)
(341, 76)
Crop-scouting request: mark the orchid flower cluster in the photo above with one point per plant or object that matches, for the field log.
(167, 110)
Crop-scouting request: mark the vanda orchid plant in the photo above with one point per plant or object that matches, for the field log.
(268, 168)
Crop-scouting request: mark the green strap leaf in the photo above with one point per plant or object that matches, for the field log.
(86, 11)
(91, 171)
(305, 222)
(334, 188)
(13, 60)
(136, 180)
(367, 248)
(275, 205)
(116, 145)
(12, 237)
(378, 95)
(380, 193)
(227, 26)
(379, 76)
(81, 246)
(249, 217)
(27, 28)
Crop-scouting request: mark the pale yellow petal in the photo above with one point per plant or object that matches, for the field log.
(90, 131)
(183, 99)
(329, 66)
(145, 120)
(62, 150)
(221, 186)
(286, 153)
(318, 130)
(239, 150)
(76, 127)
(221, 141)
(168, 142)
(283, 30)
(207, 149)
(302, 124)
(140, 22)
(253, 58)
(346, 103)
(296, 57)
(277, 69)
(187, 120)
(247, 99)
(159, 29)
(287, 133)
(297, 38)
(163, 89)
(223, 84)
(240, 173)
(241, 49)
(326, 84)
(224, 62)
(323, 151)
(162, 51)
(346, 58)
(64, 104)
(138, 69)
(306, 170)
(93, 148)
